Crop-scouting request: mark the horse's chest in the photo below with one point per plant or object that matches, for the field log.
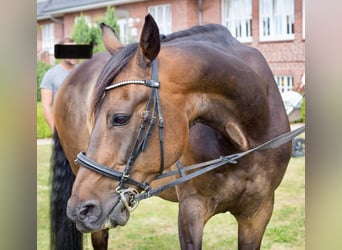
(233, 188)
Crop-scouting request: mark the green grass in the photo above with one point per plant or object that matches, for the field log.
(43, 187)
(153, 225)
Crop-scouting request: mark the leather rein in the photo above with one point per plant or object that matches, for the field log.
(145, 130)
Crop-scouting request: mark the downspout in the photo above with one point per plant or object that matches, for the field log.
(56, 20)
(200, 12)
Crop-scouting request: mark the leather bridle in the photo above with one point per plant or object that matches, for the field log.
(145, 130)
(149, 116)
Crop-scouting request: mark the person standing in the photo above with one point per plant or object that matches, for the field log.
(51, 82)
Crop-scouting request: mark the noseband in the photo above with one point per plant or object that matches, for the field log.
(145, 130)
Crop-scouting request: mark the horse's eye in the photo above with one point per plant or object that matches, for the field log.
(120, 119)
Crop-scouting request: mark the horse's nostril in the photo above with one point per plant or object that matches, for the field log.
(87, 210)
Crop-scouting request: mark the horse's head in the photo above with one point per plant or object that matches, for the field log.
(124, 137)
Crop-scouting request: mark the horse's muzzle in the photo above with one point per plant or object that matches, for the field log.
(90, 216)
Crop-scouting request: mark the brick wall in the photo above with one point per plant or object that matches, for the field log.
(284, 57)
(212, 11)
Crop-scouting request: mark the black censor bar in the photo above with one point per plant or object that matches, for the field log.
(73, 51)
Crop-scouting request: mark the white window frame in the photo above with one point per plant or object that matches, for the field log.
(48, 38)
(276, 20)
(284, 82)
(303, 17)
(162, 14)
(123, 30)
(237, 17)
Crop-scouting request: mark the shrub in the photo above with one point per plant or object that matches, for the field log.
(42, 67)
(82, 33)
(43, 129)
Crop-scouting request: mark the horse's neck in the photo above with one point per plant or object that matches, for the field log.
(217, 88)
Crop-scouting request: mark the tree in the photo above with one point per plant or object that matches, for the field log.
(83, 34)
(110, 19)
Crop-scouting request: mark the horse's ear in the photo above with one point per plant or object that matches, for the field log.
(150, 41)
(110, 40)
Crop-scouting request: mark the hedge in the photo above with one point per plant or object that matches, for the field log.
(43, 129)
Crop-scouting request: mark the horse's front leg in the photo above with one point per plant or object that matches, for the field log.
(99, 240)
(251, 229)
(192, 216)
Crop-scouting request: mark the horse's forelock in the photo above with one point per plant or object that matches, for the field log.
(116, 63)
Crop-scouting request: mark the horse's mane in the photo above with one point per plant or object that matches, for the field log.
(123, 55)
(199, 30)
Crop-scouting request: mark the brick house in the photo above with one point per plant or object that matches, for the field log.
(275, 27)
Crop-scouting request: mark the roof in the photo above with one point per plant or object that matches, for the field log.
(40, 8)
(48, 8)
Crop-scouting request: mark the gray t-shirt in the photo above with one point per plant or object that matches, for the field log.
(54, 78)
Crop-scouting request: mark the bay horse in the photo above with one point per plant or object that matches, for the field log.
(213, 96)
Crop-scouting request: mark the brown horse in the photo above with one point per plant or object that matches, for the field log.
(217, 97)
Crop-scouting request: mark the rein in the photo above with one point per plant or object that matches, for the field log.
(140, 144)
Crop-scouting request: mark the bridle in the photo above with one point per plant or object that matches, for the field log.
(145, 130)
(149, 116)
(148, 121)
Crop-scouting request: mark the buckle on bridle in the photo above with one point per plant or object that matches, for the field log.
(131, 203)
(152, 84)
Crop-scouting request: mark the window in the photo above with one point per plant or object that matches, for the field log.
(122, 23)
(87, 19)
(123, 30)
(303, 18)
(162, 15)
(237, 17)
(285, 83)
(276, 20)
(48, 38)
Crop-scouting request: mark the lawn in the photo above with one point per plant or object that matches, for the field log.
(153, 225)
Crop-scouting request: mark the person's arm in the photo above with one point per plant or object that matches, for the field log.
(47, 99)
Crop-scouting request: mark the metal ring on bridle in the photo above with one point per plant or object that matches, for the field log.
(132, 203)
